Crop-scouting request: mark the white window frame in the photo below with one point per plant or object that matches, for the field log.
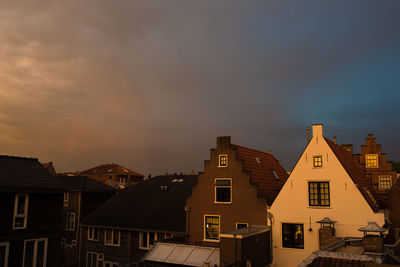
(99, 259)
(222, 186)
(247, 225)
(148, 246)
(91, 231)
(204, 227)
(66, 199)
(69, 220)
(219, 160)
(25, 215)
(112, 238)
(385, 176)
(377, 161)
(35, 248)
(7, 245)
(111, 264)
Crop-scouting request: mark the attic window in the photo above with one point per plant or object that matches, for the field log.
(274, 174)
(223, 160)
(258, 160)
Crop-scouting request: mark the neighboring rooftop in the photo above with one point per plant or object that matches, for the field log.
(19, 173)
(110, 169)
(157, 204)
(85, 184)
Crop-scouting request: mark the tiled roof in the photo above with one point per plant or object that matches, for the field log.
(265, 171)
(84, 183)
(147, 206)
(106, 169)
(356, 173)
(19, 173)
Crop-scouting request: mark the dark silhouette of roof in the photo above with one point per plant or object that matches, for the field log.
(107, 169)
(27, 174)
(356, 173)
(85, 184)
(265, 171)
(156, 204)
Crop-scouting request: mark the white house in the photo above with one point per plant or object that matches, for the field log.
(325, 182)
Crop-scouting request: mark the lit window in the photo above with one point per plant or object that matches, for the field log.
(371, 160)
(35, 252)
(66, 198)
(211, 228)
(4, 249)
(70, 221)
(223, 160)
(112, 237)
(147, 239)
(292, 235)
(93, 233)
(241, 225)
(94, 259)
(20, 211)
(317, 161)
(318, 193)
(385, 182)
(223, 190)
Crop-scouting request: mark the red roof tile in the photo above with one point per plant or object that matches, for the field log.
(261, 166)
(356, 173)
(106, 169)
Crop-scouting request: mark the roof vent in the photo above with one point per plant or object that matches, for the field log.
(274, 174)
(175, 180)
(180, 180)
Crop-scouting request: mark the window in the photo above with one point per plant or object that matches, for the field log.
(223, 189)
(385, 182)
(371, 160)
(93, 233)
(112, 237)
(94, 259)
(4, 249)
(66, 198)
(20, 211)
(292, 235)
(318, 193)
(110, 264)
(35, 252)
(223, 160)
(211, 228)
(317, 161)
(147, 239)
(70, 221)
(241, 225)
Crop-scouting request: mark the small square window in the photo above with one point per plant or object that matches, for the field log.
(292, 235)
(371, 160)
(211, 228)
(385, 182)
(241, 225)
(317, 161)
(223, 160)
(223, 190)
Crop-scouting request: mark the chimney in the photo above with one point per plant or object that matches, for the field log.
(317, 130)
(334, 139)
(308, 135)
(223, 143)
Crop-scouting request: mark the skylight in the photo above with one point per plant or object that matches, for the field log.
(274, 174)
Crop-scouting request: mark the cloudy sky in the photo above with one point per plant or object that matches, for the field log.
(150, 84)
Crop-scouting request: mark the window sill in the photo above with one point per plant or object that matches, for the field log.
(319, 207)
(111, 245)
(94, 240)
(224, 203)
(292, 249)
(211, 240)
(143, 248)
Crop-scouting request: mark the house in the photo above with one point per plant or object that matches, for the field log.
(31, 221)
(50, 167)
(393, 211)
(123, 229)
(83, 196)
(113, 175)
(326, 197)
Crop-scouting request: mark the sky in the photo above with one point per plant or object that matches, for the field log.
(150, 84)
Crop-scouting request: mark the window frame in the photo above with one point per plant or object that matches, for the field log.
(91, 233)
(368, 161)
(220, 160)
(319, 194)
(282, 235)
(148, 245)
(24, 215)
(111, 263)
(223, 186)
(239, 223)
(66, 199)
(112, 238)
(99, 259)
(7, 251)
(317, 164)
(69, 220)
(35, 252)
(204, 227)
(390, 183)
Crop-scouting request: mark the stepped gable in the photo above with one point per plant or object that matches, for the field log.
(261, 166)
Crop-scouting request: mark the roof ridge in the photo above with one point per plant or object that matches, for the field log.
(255, 150)
(19, 157)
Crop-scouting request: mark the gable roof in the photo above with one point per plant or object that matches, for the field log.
(146, 206)
(85, 184)
(27, 174)
(107, 169)
(262, 166)
(356, 173)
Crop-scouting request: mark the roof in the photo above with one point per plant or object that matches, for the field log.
(265, 171)
(84, 183)
(356, 173)
(183, 255)
(157, 204)
(28, 174)
(372, 227)
(107, 169)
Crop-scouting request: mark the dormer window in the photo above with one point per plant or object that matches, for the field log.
(317, 160)
(371, 160)
(223, 190)
(222, 160)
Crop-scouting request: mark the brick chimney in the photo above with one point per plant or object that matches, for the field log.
(223, 143)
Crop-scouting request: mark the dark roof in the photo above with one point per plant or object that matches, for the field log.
(335, 262)
(106, 169)
(146, 206)
(84, 183)
(262, 166)
(26, 174)
(356, 173)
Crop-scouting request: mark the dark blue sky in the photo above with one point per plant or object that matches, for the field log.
(150, 84)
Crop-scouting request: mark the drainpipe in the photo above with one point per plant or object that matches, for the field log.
(234, 250)
(187, 210)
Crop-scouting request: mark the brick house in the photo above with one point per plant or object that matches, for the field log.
(31, 223)
(113, 175)
(234, 191)
(83, 196)
(124, 228)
